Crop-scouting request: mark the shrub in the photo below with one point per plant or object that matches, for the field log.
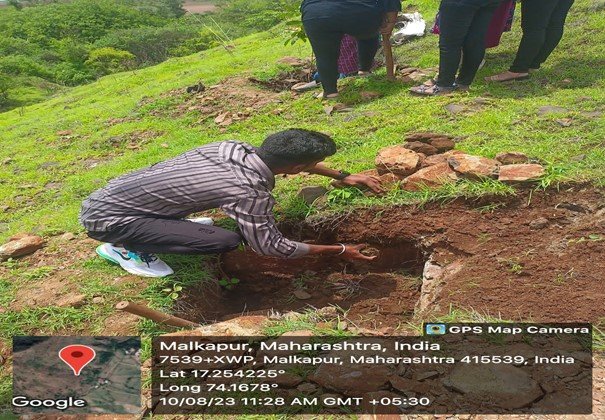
(108, 60)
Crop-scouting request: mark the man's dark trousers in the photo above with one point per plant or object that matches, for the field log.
(170, 236)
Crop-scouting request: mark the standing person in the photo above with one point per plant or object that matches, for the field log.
(141, 213)
(542, 22)
(347, 64)
(463, 28)
(325, 23)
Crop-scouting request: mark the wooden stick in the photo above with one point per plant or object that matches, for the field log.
(388, 55)
(157, 316)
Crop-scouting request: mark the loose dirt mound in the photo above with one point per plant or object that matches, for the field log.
(231, 100)
(536, 256)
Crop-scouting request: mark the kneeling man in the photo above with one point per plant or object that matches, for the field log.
(142, 213)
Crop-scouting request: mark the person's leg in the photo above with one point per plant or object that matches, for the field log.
(554, 32)
(473, 49)
(326, 45)
(168, 236)
(367, 49)
(535, 16)
(455, 21)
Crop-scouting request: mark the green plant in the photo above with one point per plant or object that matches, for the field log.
(228, 283)
(173, 292)
(343, 195)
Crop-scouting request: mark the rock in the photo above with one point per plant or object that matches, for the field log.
(74, 301)
(432, 177)
(454, 108)
(424, 136)
(98, 300)
(539, 223)
(292, 316)
(520, 172)
(67, 236)
(422, 376)
(475, 167)
(565, 122)
(512, 158)
(24, 245)
(311, 193)
(328, 312)
(298, 333)
(356, 379)
(197, 88)
(440, 158)
(18, 236)
(549, 109)
(397, 160)
(381, 412)
(443, 144)
(511, 387)
(420, 147)
(369, 95)
(243, 326)
(287, 380)
(406, 385)
(307, 388)
(301, 294)
(292, 61)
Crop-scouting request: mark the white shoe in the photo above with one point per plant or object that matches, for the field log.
(138, 263)
(202, 220)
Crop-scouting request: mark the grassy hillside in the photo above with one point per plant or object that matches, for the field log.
(55, 153)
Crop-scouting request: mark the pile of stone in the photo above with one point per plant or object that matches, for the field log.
(429, 160)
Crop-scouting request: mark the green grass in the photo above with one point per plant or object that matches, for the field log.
(44, 175)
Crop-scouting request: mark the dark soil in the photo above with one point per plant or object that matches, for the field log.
(536, 256)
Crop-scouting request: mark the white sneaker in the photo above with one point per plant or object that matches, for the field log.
(138, 263)
(202, 220)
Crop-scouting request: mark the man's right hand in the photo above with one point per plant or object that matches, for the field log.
(353, 253)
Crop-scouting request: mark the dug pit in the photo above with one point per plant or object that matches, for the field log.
(382, 290)
(534, 256)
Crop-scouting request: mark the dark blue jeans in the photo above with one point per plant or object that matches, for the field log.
(542, 22)
(463, 27)
(325, 35)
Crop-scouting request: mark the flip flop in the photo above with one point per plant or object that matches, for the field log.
(503, 77)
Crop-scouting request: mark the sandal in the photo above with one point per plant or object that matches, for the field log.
(430, 90)
(507, 76)
(321, 95)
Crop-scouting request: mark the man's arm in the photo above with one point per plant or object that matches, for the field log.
(254, 215)
(354, 180)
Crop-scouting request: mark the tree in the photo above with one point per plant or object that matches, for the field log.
(108, 60)
(5, 85)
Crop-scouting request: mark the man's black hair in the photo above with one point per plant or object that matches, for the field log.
(295, 146)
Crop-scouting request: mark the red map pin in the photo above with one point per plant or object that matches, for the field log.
(77, 356)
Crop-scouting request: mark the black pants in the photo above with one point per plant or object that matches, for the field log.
(463, 28)
(542, 22)
(325, 35)
(169, 236)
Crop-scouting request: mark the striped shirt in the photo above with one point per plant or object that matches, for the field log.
(228, 175)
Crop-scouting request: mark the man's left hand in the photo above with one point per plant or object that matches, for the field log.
(358, 180)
